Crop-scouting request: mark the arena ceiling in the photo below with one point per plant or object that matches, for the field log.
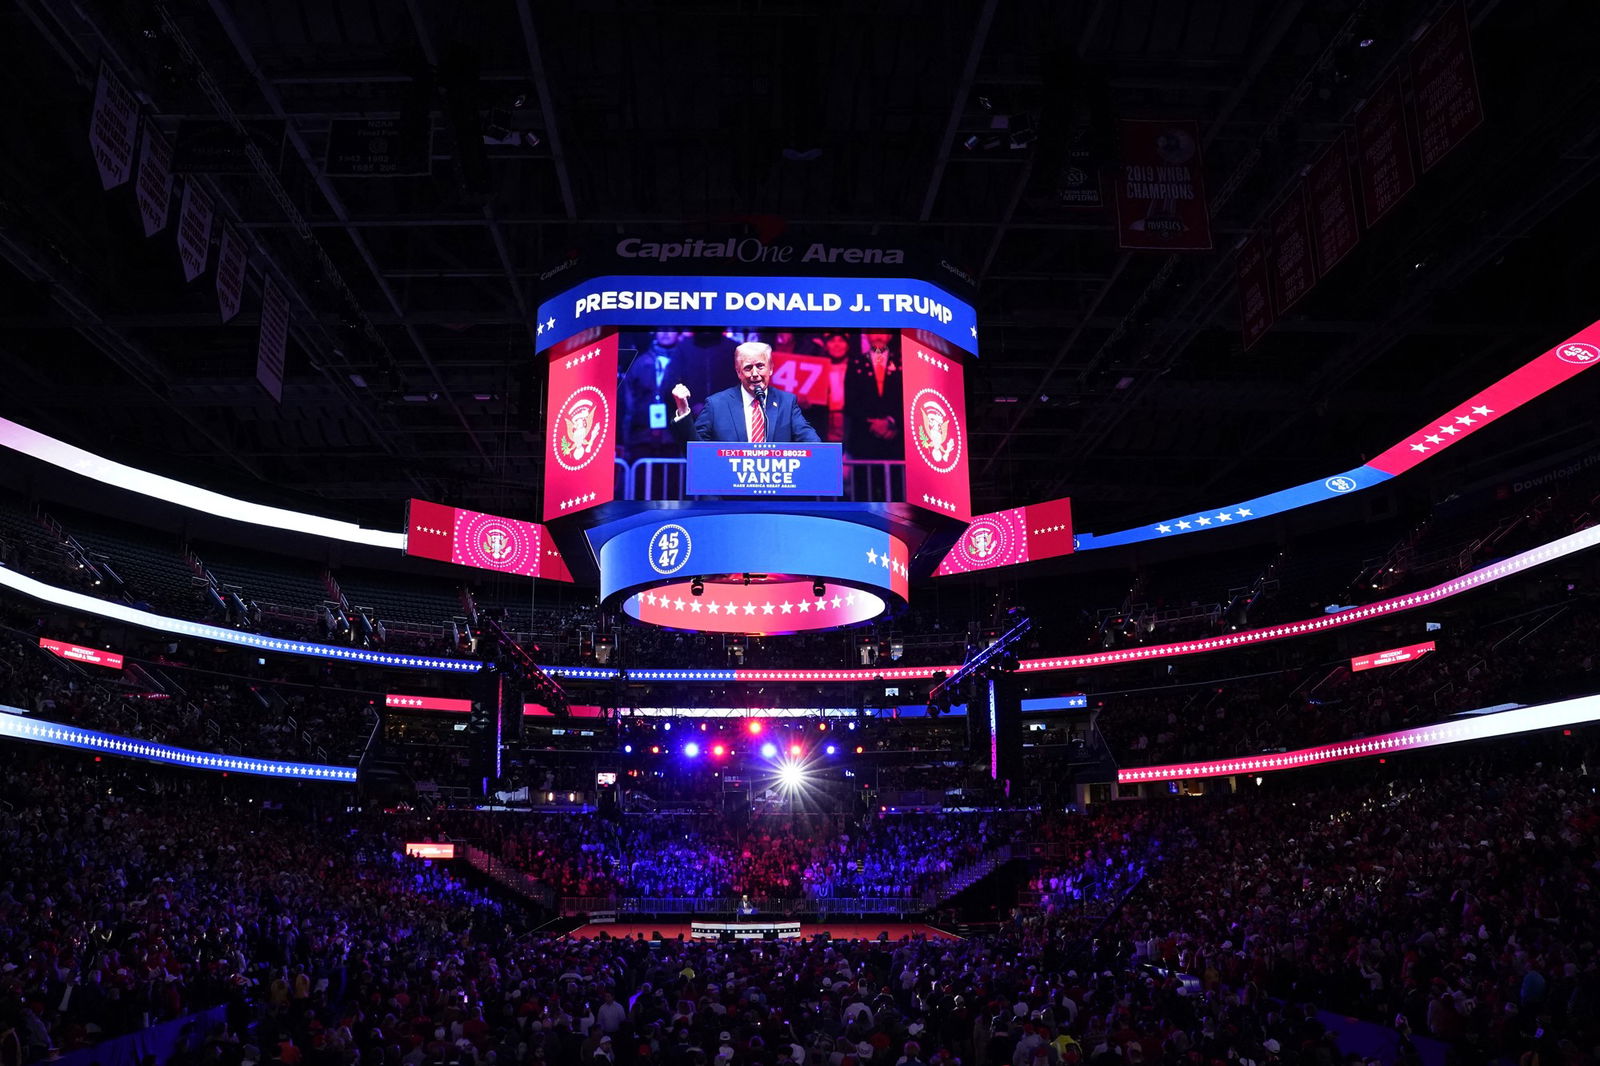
(1119, 378)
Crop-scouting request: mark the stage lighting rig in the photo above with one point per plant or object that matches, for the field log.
(496, 648)
(1000, 654)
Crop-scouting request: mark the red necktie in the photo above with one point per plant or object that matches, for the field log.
(758, 422)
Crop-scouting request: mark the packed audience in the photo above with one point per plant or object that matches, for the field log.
(880, 856)
(1452, 898)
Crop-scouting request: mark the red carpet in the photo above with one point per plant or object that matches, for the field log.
(837, 930)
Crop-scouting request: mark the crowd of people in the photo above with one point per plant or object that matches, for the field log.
(1452, 898)
(778, 857)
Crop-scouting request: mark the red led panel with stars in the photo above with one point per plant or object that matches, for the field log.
(1569, 358)
(938, 440)
(485, 541)
(1017, 535)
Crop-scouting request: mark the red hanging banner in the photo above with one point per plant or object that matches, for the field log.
(1384, 154)
(1292, 268)
(1332, 203)
(1448, 105)
(1161, 193)
(154, 190)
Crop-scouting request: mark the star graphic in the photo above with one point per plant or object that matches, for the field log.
(872, 557)
(1482, 411)
(1224, 516)
(805, 605)
(837, 601)
(1244, 512)
(886, 561)
(1450, 430)
(650, 598)
(550, 323)
(850, 597)
(766, 608)
(728, 607)
(540, 330)
(1465, 420)
(1202, 521)
(974, 332)
(694, 606)
(1163, 529)
(678, 603)
(749, 608)
(713, 607)
(1183, 525)
(1419, 447)
(822, 605)
(1434, 438)
(786, 606)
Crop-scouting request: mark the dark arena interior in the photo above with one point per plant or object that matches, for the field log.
(763, 532)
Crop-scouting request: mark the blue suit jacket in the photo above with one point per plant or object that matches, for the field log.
(722, 419)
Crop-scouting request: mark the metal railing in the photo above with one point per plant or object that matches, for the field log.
(866, 480)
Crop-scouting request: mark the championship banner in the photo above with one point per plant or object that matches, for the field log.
(79, 654)
(1161, 194)
(581, 439)
(1392, 656)
(1383, 153)
(1446, 83)
(113, 125)
(272, 345)
(1255, 291)
(1006, 538)
(230, 272)
(935, 431)
(1332, 203)
(194, 230)
(1292, 269)
(485, 541)
(154, 188)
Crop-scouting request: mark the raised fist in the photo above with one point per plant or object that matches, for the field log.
(680, 392)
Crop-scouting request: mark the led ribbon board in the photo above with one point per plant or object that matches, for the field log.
(858, 564)
(1506, 723)
(14, 723)
(79, 654)
(86, 464)
(1391, 657)
(632, 301)
(1571, 544)
(1529, 381)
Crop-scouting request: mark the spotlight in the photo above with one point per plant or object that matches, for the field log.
(830, 749)
(791, 776)
(627, 749)
(718, 751)
(692, 750)
(655, 749)
(755, 727)
(795, 750)
(769, 750)
(697, 586)
(818, 588)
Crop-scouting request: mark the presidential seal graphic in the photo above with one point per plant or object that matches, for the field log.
(1340, 483)
(1576, 352)
(669, 549)
(937, 431)
(987, 542)
(580, 428)
(497, 544)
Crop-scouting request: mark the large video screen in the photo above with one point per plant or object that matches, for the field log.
(895, 405)
(848, 386)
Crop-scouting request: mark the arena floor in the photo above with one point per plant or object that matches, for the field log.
(837, 930)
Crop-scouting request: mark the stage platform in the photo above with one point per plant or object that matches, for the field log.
(837, 930)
